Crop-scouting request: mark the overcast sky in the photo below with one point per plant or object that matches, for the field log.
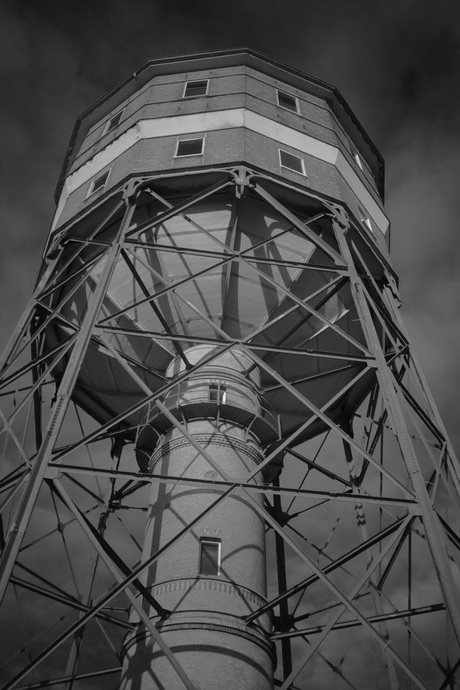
(396, 62)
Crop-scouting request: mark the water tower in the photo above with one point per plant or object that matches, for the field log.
(223, 469)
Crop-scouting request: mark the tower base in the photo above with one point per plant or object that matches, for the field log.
(217, 652)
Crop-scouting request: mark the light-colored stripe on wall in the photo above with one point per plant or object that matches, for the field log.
(218, 120)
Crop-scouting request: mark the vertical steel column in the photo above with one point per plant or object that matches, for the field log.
(19, 525)
(435, 535)
(454, 465)
(27, 315)
(282, 585)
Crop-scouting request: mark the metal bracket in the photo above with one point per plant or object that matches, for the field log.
(242, 178)
(339, 215)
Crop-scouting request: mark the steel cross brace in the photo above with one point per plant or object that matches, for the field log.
(420, 378)
(329, 568)
(105, 599)
(228, 256)
(65, 679)
(434, 533)
(268, 490)
(351, 623)
(297, 549)
(333, 620)
(289, 387)
(15, 536)
(119, 575)
(161, 407)
(240, 255)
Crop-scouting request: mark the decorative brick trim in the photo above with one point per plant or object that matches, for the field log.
(247, 634)
(207, 439)
(209, 584)
(255, 636)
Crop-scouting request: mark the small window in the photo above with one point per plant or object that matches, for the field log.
(218, 393)
(190, 147)
(288, 160)
(358, 160)
(365, 220)
(193, 89)
(114, 121)
(210, 556)
(355, 154)
(285, 100)
(98, 183)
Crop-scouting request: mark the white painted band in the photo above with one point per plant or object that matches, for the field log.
(219, 120)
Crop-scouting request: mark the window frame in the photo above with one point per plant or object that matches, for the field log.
(95, 180)
(365, 219)
(289, 95)
(196, 81)
(220, 390)
(188, 155)
(108, 126)
(286, 167)
(358, 160)
(214, 541)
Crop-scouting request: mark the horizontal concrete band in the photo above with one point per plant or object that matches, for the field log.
(248, 634)
(220, 120)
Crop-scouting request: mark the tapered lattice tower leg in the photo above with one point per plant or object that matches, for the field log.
(221, 465)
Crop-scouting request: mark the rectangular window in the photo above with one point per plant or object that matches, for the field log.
(218, 393)
(189, 147)
(210, 556)
(98, 183)
(193, 89)
(114, 121)
(288, 160)
(285, 100)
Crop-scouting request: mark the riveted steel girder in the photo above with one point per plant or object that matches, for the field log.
(369, 488)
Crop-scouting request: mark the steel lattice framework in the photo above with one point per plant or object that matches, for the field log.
(362, 524)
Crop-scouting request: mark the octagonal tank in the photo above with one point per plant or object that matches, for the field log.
(232, 268)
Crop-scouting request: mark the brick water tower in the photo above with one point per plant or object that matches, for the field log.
(223, 469)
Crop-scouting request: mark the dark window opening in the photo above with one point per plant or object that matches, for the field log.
(114, 121)
(190, 147)
(196, 88)
(285, 100)
(218, 393)
(99, 182)
(288, 160)
(209, 556)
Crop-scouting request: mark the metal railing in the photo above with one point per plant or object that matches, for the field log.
(222, 395)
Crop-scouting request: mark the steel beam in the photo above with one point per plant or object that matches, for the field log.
(435, 534)
(15, 536)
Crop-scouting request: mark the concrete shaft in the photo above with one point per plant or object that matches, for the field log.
(214, 575)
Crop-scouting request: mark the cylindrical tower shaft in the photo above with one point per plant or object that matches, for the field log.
(214, 576)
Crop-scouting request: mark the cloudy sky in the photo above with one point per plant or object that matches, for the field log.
(397, 63)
